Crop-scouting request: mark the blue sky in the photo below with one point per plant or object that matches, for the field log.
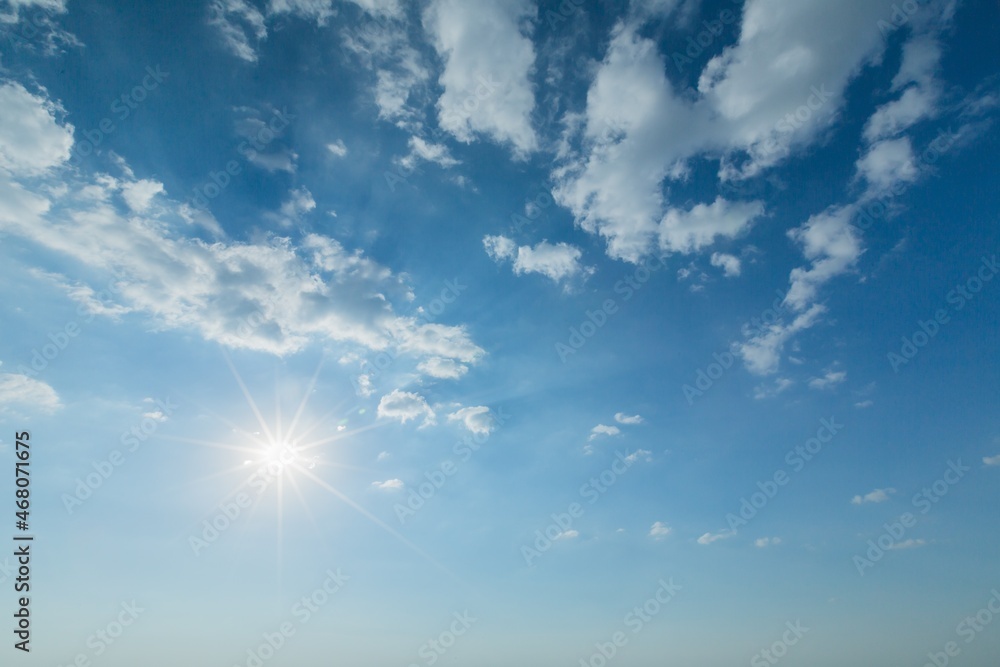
(503, 333)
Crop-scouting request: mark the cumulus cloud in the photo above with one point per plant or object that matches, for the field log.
(404, 406)
(559, 261)
(24, 392)
(623, 418)
(763, 542)
(438, 367)
(484, 94)
(992, 460)
(139, 195)
(603, 429)
(337, 148)
(659, 530)
(477, 419)
(389, 485)
(830, 379)
(876, 496)
(887, 163)
(729, 264)
(427, 152)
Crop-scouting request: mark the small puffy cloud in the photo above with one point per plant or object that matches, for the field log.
(558, 261)
(908, 544)
(477, 419)
(139, 195)
(603, 429)
(25, 392)
(389, 485)
(364, 386)
(404, 406)
(876, 496)
(427, 152)
(887, 163)
(992, 460)
(771, 389)
(708, 538)
(643, 454)
(439, 367)
(729, 264)
(337, 148)
(761, 353)
(829, 380)
(623, 418)
(689, 231)
(156, 415)
(568, 535)
(864, 404)
(763, 542)
(659, 530)
(383, 456)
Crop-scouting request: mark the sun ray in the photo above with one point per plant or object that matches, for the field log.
(246, 394)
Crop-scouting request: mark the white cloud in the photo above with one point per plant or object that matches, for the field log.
(389, 485)
(485, 92)
(921, 93)
(447, 369)
(864, 404)
(139, 194)
(729, 264)
(429, 152)
(830, 379)
(337, 148)
(477, 419)
(887, 163)
(623, 418)
(365, 387)
(568, 534)
(763, 542)
(156, 415)
(992, 460)
(32, 141)
(708, 538)
(404, 406)
(830, 241)
(241, 26)
(876, 496)
(659, 530)
(690, 231)
(383, 456)
(267, 295)
(761, 353)
(638, 454)
(25, 392)
(603, 429)
(559, 261)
